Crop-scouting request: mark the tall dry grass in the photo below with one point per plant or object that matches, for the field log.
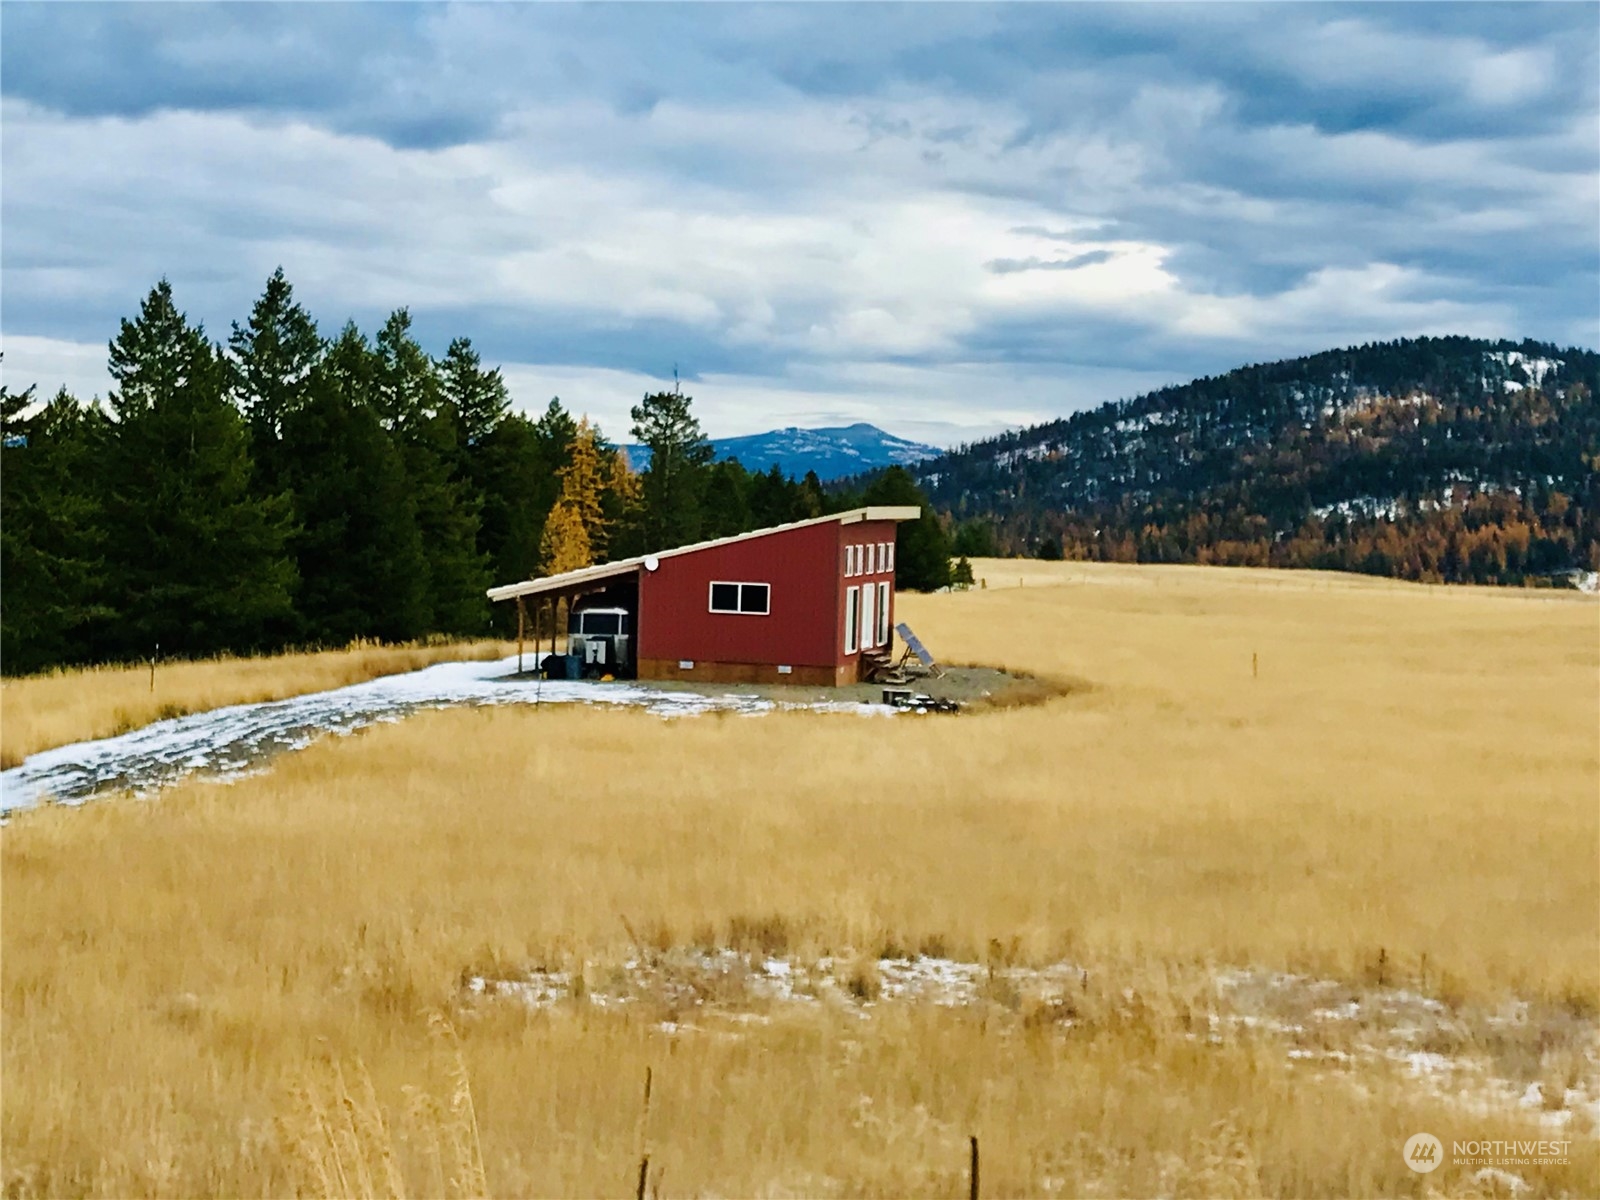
(1408, 780)
(58, 707)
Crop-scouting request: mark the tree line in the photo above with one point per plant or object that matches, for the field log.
(285, 488)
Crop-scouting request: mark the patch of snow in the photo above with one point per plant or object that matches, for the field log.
(1535, 368)
(1034, 453)
(1495, 1178)
(228, 743)
(1326, 1025)
(1361, 506)
(719, 978)
(1348, 1011)
(1423, 1062)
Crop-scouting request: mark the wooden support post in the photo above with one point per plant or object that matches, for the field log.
(972, 1191)
(522, 622)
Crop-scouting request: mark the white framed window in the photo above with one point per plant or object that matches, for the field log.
(869, 616)
(883, 613)
(852, 618)
(890, 565)
(883, 556)
(847, 561)
(861, 560)
(747, 599)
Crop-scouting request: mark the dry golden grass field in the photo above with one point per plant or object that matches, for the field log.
(1232, 931)
(58, 707)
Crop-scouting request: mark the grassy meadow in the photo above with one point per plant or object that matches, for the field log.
(79, 703)
(257, 988)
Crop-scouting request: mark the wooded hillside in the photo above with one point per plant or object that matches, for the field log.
(1451, 459)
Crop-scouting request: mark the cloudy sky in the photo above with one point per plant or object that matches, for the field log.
(944, 219)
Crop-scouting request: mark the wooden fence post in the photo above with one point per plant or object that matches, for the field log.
(972, 1191)
(644, 1136)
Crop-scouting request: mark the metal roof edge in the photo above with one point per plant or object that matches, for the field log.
(552, 583)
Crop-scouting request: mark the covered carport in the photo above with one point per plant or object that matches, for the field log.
(553, 592)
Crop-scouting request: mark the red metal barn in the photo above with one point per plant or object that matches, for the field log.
(796, 603)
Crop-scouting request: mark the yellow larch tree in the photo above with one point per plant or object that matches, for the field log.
(582, 480)
(565, 544)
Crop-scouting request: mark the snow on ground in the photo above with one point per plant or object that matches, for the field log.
(728, 981)
(230, 742)
(1477, 1060)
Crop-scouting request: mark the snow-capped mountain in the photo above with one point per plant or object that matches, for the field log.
(831, 453)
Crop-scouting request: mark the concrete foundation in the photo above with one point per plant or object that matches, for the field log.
(727, 672)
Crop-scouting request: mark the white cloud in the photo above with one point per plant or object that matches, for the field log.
(51, 364)
(834, 244)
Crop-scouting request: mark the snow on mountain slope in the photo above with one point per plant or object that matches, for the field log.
(831, 452)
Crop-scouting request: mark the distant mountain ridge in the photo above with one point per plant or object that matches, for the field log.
(1432, 458)
(832, 452)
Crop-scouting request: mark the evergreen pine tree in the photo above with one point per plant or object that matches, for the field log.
(773, 499)
(50, 537)
(502, 464)
(812, 501)
(727, 511)
(672, 483)
(974, 539)
(197, 562)
(412, 406)
(359, 549)
(478, 396)
(922, 554)
(514, 478)
(556, 430)
(273, 355)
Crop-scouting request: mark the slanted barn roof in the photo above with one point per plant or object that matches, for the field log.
(571, 580)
